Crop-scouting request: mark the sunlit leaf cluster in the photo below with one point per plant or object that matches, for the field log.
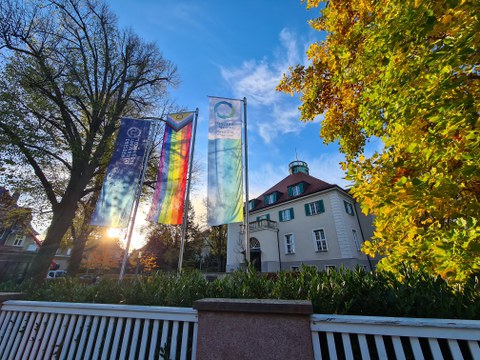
(405, 73)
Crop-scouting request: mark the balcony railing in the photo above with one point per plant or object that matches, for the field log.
(262, 225)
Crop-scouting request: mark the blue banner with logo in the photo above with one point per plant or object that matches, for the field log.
(123, 174)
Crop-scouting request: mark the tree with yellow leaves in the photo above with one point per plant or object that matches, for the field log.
(408, 73)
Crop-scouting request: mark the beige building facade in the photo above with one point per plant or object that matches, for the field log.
(302, 220)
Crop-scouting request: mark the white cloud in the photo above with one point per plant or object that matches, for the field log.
(276, 113)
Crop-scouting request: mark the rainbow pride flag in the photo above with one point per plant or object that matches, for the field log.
(169, 197)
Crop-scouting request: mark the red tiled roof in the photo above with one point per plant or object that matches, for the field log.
(312, 185)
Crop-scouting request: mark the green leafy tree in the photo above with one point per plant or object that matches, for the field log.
(68, 76)
(405, 72)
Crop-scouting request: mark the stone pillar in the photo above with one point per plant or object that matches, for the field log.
(254, 329)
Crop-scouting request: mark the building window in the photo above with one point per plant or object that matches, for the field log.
(285, 215)
(319, 240)
(18, 240)
(349, 208)
(251, 205)
(263, 217)
(254, 244)
(355, 240)
(289, 244)
(296, 189)
(329, 268)
(314, 208)
(270, 198)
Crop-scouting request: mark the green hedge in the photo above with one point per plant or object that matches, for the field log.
(354, 292)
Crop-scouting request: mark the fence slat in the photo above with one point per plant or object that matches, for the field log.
(53, 337)
(126, 339)
(76, 337)
(347, 346)
(183, 351)
(143, 345)
(14, 330)
(41, 330)
(116, 340)
(474, 349)
(92, 337)
(38, 336)
(331, 345)
(417, 349)
(153, 343)
(26, 336)
(100, 339)
(173, 340)
(133, 346)
(455, 350)
(398, 347)
(19, 334)
(362, 341)
(317, 352)
(163, 341)
(7, 324)
(108, 338)
(380, 344)
(60, 339)
(435, 348)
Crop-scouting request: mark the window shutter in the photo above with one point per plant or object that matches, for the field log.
(291, 214)
(268, 216)
(320, 205)
(280, 216)
(290, 191)
(346, 206)
(301, 188)
(258, 218)
(265, 199)
(307, 210)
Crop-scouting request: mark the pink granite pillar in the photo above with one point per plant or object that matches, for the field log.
(254, 329)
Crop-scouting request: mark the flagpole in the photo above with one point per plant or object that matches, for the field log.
(247, 224)
(137, 201)
(187, 197)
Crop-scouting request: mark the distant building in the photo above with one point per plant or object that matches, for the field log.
(18, 240)
(302, 220)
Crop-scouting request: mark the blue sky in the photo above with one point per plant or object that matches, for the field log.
(240, 49)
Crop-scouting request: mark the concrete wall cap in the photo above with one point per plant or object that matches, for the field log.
(272, 306)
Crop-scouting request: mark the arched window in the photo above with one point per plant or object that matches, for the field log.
(254, 244)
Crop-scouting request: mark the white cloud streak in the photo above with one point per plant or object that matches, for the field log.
(276, 113)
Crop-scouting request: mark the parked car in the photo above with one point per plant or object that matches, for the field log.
(56, 274)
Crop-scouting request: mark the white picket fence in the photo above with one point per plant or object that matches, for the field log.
(370, 337)
(46, 330)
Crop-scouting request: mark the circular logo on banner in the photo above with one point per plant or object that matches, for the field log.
(224, 110)
(134, 132)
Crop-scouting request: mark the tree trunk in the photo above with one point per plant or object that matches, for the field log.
(78, 249)
(62, 219)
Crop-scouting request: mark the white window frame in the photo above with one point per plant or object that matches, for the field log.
(320, 241)
(355, 240)
(349, 208)
(286, 214)
(330, 267)
(271, 198)
(296, 190)
(289, 245)
(314, 208)
(18, 241)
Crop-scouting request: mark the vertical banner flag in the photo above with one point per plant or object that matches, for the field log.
(225, 185)
(169, 197)
(116, 198)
